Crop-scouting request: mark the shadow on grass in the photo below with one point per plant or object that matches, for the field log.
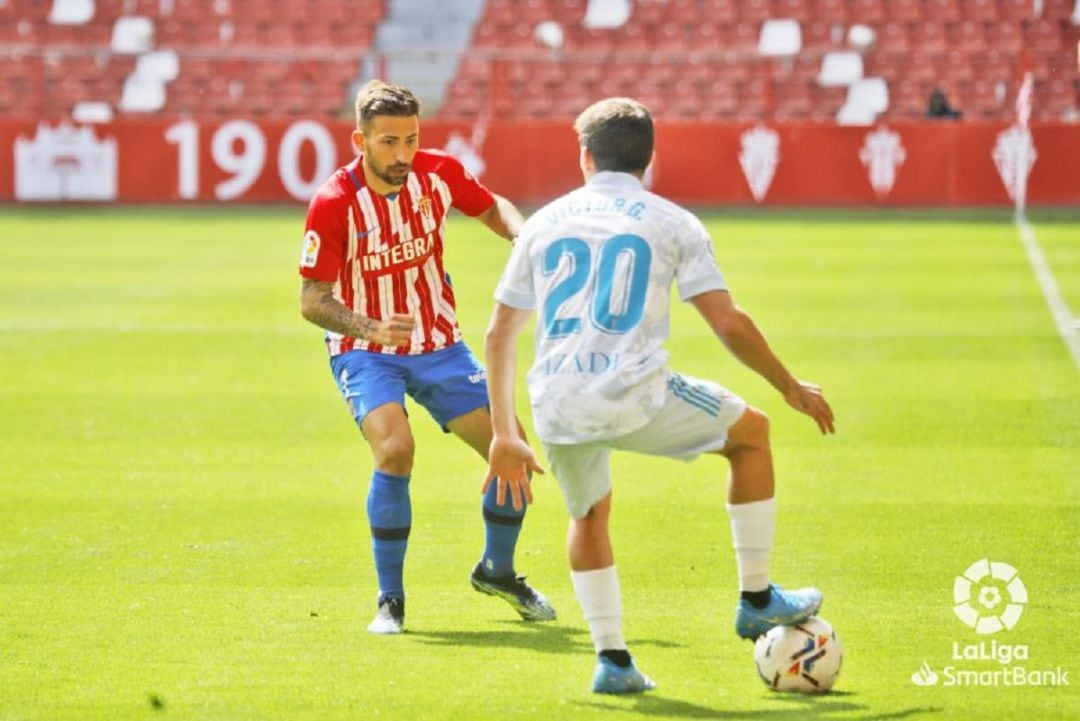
(833, 705)
(543, 637)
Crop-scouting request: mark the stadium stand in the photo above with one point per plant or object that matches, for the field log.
(725, 60)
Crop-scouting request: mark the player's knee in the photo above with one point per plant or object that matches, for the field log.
(752, 429)
(395, 455)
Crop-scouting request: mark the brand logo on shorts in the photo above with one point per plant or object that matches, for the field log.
(478, 377)
(310, 254)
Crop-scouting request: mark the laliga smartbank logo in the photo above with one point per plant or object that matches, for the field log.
(989, 597)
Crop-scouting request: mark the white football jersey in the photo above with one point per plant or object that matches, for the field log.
(597, 266)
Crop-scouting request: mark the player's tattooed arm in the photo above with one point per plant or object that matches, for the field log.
(319, 306)
(503, 218)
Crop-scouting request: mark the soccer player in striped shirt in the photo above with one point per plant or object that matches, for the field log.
(598, 264)
(373, 278)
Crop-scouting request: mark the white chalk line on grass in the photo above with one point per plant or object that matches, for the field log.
(1067, 325)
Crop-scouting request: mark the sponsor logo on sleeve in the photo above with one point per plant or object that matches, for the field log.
(310, 255)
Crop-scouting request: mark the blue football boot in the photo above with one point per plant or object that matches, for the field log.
(786, 608)
(609, 677)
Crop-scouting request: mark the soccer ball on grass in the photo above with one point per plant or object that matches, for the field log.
(804, 658)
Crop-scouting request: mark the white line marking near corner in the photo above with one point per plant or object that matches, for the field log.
(1067, 326)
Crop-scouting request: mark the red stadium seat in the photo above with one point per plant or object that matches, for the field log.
(793, 9)
(753, 100)
(1005, 37)
(906, 11)
(1044, 36)
(1016, 10)
(969, 36)
(744, 38)
(958, 66)
(821, 37)
(792, 100)
(894, 38)
(984, 11)
(942, 11)
(755, 11)
(720, 11)
(923, 67)
(721, 102)
(994, 65)
(929, 37)
(888, 65)
(1058, 10)
(868, 11)
(831, 11)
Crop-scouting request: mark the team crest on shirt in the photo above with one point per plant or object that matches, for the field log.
(310, 254)
(423, 206)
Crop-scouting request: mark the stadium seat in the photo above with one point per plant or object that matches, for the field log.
(132, 35)
(756, 11)
(71, 12)
(929, 37)
(969, 37)
(866, 99)
(1044, 36)
(793, 10)
(868, 11)
(1016, 10)
(905, 11)
(792, 100)
(1005, 37)
(779, 38)
(983, 11)
(819, 37)
(894, 38)
(942, 11)
(724, 12)
(841, 68)
(831, 11)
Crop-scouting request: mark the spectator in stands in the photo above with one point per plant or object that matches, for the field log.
(939, 107)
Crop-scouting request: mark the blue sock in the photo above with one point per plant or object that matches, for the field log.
(390, 516)
(502, 524)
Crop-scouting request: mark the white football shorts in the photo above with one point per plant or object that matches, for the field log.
(694, 419)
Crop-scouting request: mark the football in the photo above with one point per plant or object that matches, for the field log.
(804, 658)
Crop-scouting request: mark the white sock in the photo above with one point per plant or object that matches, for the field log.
(752, 528)
(598, 593)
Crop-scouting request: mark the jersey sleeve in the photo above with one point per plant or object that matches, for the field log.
(515, 287)
(467, 194)
(697, 271)
(325, 236)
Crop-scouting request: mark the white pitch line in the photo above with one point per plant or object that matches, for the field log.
(1067, 325)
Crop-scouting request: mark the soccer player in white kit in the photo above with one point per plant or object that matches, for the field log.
(597, 266)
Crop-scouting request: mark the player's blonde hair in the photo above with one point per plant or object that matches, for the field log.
(618, 132)
(381, 98)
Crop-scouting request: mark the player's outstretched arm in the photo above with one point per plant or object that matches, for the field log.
(741, 336)
(318, 305)
(510, 459)
(503, 218)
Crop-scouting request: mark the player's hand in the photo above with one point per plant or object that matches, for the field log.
(807, 398)
(510, 464)
(393, 331)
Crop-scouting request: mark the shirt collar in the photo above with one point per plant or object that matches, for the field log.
(614, 180)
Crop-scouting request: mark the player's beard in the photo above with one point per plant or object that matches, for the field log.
(394, 175)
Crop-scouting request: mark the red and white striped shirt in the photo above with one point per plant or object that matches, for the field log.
(384, 253)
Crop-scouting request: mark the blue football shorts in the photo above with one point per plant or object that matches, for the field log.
(448, 382)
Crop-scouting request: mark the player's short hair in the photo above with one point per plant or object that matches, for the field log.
(619, 134)
(380, 98)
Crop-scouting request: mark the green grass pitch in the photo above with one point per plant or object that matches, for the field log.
(182, 532)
